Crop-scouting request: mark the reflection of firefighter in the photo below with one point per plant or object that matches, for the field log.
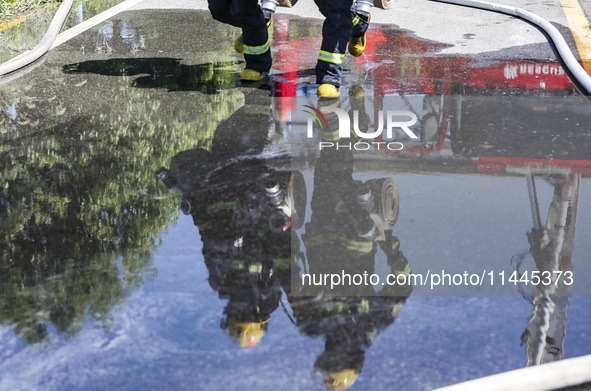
(551, 247)
(244, 209)
(350, 220)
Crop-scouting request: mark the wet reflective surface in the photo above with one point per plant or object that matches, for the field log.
(158, 215)
(21, 33)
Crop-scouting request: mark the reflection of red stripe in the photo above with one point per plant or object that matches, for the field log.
(521, 74)
(500, 164)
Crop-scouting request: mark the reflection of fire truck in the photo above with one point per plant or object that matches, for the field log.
(458, 94)
(504, 114)
(499, 116)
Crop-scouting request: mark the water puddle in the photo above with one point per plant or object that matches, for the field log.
(168, 225)
(24, 32)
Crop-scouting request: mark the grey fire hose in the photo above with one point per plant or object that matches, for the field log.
(571, 63)
(38, 51)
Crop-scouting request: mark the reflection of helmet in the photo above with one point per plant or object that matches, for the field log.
(339, 366)
(340, 380)
(247, 334)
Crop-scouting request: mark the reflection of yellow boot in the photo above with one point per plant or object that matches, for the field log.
(357, 91)
(252, 75)
(328, 91)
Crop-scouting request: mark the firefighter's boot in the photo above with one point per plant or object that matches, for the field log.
(358, 38)
(239, 42)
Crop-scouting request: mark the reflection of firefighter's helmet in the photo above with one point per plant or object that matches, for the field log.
(247, 334)
(340, 380)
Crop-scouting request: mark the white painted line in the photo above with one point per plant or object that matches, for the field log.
(579, 26)
(95, 20)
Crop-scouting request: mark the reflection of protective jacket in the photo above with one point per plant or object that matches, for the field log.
(340, 24)
(342, 235)
(350, 221)
(248, 15)
(241, 249)
(245, 238)
(241, 267)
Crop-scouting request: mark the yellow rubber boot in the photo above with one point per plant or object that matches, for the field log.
(357, 45)
(239, 44)
(328, 91)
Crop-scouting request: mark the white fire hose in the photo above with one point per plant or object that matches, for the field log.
(38, 51)
(571, 63)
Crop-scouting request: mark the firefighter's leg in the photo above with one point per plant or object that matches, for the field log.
(358, 36)
(336, 31)
(220, 11)
(239, 42)
(256, 46)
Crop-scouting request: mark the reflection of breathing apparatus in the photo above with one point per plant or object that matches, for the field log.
(283, 203)
(279, 219)
(288, 201)
(366, 227)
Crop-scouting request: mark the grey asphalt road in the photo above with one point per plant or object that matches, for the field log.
(467, 31)
(464, 31)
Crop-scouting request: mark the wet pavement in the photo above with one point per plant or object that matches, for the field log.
(22, 32)
(166, 226)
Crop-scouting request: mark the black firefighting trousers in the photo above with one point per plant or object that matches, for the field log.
(247, 15)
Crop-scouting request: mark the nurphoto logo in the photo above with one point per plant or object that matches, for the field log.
(395, 119)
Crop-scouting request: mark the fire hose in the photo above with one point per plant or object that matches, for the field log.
(29, 57)
(568, 58)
